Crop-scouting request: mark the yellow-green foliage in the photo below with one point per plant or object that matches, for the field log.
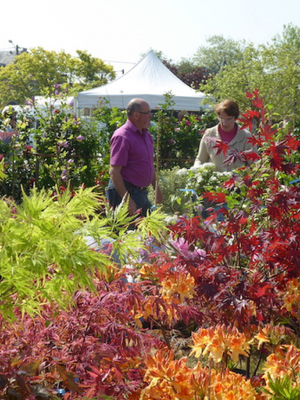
(44, 255)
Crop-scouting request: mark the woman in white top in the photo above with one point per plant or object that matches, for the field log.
(229, 132)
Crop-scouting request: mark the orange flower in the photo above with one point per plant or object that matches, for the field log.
(274, 335)
(261, 337)
(158, 309)
(291, 296)
(167, 378)
(181, 284)
(200, 380)
(231, 386)
(148, 271)
(285, 361)
(218, 341)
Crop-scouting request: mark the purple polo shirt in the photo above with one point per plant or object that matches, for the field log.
(133, 150)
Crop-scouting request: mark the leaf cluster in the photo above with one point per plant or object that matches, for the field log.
(35, 73)
(272, 68)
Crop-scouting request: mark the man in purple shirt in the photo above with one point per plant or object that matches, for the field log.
(131, 160)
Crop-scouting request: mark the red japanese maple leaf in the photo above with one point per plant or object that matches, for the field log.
(250, 114)
(292, 142)
(246, 123)
(261, 290)
(215, 197)
(267, 132)
(255, 141)
(250, 155)
(256, 100)
(221, 146)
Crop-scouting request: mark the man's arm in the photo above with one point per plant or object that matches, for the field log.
(117, 179)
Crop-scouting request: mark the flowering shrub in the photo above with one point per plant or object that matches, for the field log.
(204, 178)
(51, 147)
(178, 138)
(67, 150)
(208, 309)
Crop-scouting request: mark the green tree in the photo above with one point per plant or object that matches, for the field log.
(218, 53)
(89, 72)
(37, 72)
(273, 69)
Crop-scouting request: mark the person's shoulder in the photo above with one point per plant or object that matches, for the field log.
(126, 128)
(213, 131)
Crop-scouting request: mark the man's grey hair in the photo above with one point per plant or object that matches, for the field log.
(133, 106)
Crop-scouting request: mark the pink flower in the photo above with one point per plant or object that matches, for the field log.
(183, 248)
(80, 137)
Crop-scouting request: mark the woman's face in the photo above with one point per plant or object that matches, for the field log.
(226, 121)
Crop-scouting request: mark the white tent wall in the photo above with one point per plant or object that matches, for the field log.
(44, 103)
(150, 80)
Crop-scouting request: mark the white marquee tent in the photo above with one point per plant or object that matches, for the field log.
(149, 79)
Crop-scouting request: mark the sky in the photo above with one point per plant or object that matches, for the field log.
(121, 31)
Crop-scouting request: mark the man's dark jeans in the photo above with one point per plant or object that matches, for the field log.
(138, 195)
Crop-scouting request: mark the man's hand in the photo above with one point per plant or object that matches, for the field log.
(131, 205)
(115, 174)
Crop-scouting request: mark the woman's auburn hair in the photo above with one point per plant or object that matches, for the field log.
(229, 107)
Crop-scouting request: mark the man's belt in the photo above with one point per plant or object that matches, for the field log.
(131, 187)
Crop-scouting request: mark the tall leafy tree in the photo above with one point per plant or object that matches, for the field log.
(218, 53)
(273, 69)
(38, 71)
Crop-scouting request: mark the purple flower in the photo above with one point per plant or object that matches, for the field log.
(57, 86)
(70, 161)
(56, 92)
(64, 178)
(80, 137)
(64, 172)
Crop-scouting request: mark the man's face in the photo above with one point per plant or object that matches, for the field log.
(143, 117)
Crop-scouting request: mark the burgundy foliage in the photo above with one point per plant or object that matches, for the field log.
(98, 347)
